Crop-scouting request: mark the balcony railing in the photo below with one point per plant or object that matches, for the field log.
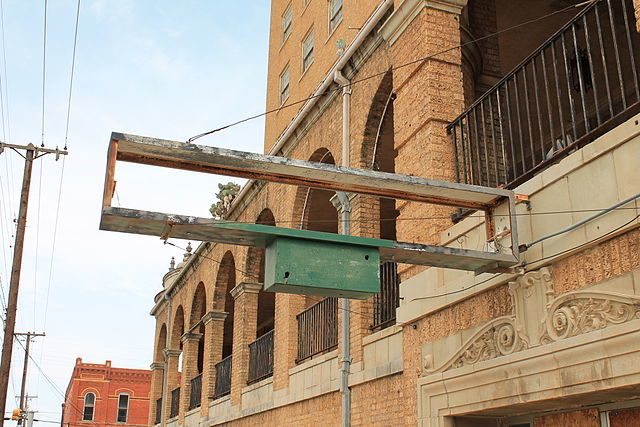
(261, 358)
(175, 403)
(317, 328)
(577, 85)
(158, 411)
(223, 378)
(386, 302)
(196, 392)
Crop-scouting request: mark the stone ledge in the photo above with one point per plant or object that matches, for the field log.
(313, 362)
(379, 335)
(593, 362)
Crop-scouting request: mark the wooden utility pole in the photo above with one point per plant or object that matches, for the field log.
(23, 391)
(31, 154)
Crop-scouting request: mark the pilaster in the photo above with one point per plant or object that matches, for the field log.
(430, 94)
(285, 337)
(245, 295)
(157, 375)
(189, 370)
(213, 333)
(171, 356)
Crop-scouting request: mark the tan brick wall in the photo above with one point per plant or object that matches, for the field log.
(636, 8)
(604, 261)
(320, 411)
(313, 15)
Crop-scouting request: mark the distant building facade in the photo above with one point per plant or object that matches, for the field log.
(101, 395)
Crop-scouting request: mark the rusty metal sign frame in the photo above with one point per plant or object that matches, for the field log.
(220, 161)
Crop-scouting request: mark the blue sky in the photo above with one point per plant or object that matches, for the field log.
(157, 68)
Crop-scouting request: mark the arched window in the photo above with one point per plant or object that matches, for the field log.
(89, 405)
(123, 407)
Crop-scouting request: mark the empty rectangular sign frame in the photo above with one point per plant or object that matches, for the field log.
(277, 240)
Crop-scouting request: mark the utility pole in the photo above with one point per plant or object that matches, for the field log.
(29, 335)
(31, 154)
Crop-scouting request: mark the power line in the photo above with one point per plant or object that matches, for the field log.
(533, 262)
(73, 65)
(363, 79)
(437, 217)
(44, 65)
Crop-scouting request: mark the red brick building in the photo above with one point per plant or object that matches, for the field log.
(101, 395)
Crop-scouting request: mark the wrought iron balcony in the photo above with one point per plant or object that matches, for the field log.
(579, 84)
(196, 392)
(386, 302)
(223, 378)
(261, 358)
(175, 403)
(317, 328)
(158, 411)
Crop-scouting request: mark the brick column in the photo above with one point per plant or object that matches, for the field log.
(285, 339)
(213, 333)
(171, 356)
(157, 375)
(245, 312)
(430, 94)
(636, 8)
(189, 370)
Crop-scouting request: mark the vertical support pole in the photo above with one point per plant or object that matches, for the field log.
(10, 324)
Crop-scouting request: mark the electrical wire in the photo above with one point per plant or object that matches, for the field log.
(44, 66)
(253, 276)
(532, 262)
(58, 203)
(46, 377)
(436, 217)
(397, 67)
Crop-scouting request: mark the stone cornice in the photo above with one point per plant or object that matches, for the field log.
(170, 352)
(408, 10)
(245, 287)
(211, 316)
(157, 366)
(190, 336)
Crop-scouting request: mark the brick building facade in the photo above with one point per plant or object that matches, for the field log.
(102, 395)
(547, 106)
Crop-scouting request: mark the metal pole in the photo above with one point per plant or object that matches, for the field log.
(10, 324)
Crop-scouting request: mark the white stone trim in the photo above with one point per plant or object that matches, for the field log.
(402, 17)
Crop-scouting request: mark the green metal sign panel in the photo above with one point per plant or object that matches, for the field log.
(328, 269)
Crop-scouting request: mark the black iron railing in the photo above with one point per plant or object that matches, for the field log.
(261, 358)
(196, 392)
(386, 302)
(317, 328)
(158, 411)
(175, 403)
(223, 378)
(579, 84)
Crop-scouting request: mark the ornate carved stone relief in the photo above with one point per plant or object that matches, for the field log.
(580, 312)
(539, 319)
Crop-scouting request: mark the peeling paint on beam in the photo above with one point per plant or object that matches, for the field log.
(209, 229)
(178, 155)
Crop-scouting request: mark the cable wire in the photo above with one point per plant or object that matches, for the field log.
(532, 262)
(44, 66)
(363, 79)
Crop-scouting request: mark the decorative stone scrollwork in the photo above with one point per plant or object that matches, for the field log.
(580, 312)
(497, 338)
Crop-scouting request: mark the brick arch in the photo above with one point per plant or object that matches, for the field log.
(223, 301)
(303, 217)
(161, 343)
(177, 329)
(254, 264)
(198, 305)
(378, 112)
